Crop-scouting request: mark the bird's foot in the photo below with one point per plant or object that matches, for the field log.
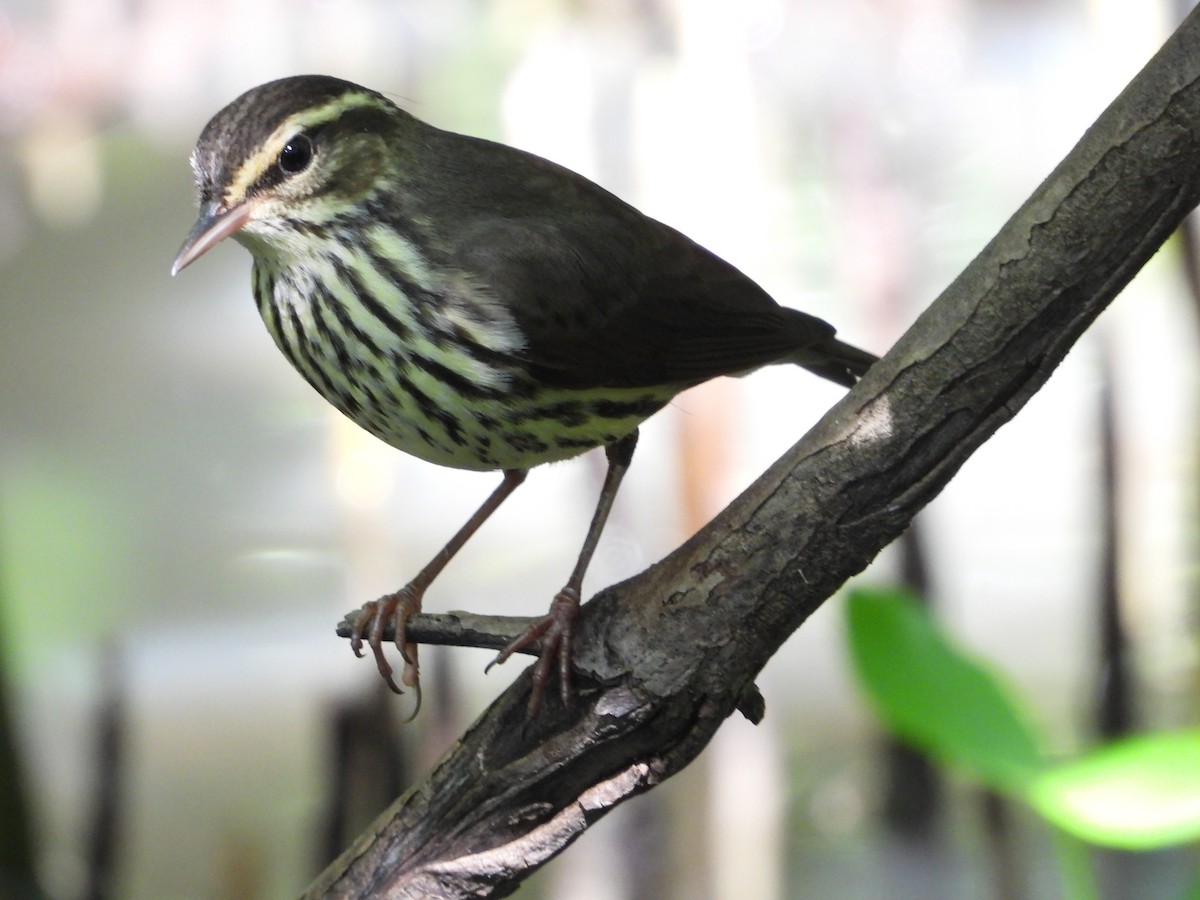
(555, 631)
(397, 609)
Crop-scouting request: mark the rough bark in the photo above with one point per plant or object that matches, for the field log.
(662, 659)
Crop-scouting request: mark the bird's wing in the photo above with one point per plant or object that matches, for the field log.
(626, 301)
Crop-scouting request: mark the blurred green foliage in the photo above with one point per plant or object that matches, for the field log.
(1138, 793)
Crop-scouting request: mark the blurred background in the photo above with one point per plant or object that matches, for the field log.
(183, 521)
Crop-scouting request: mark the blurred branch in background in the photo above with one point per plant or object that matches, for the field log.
(18, 870)
(1114, 702)
(914, 799)
(367, 765)
(666, 656)
(109, 815)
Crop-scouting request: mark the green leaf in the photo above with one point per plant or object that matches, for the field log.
(1136, 794)
(933, 696)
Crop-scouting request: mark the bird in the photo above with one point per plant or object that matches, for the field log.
(476, 306)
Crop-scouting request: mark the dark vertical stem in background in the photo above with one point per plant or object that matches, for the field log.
(104, 832)
(367, 768)
(912, 792)
(1002, 853)
(17, 863)
(1114, 703)
(913, 797)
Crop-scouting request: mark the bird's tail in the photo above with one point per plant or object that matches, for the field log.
(836, 360)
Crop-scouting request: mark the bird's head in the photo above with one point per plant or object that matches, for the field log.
(285, 159)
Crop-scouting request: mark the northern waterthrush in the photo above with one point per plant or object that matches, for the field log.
(474, 305)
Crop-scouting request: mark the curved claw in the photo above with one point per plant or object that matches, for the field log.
(385, 669)
(399, 608)
(416, 686)
(556, 631)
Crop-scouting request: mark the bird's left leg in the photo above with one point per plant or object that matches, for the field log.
(399, 607)
(556, 629)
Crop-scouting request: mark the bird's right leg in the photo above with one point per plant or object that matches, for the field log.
(399, 607)
(555, 631)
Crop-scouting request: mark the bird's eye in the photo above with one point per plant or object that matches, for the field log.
(296, 154)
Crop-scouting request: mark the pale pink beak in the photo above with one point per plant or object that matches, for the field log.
(214, 225)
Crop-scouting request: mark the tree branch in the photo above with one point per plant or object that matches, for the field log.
(664, 657)
(455, 629)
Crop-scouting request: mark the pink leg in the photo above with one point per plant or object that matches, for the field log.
(399, 607)
(556, 629)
